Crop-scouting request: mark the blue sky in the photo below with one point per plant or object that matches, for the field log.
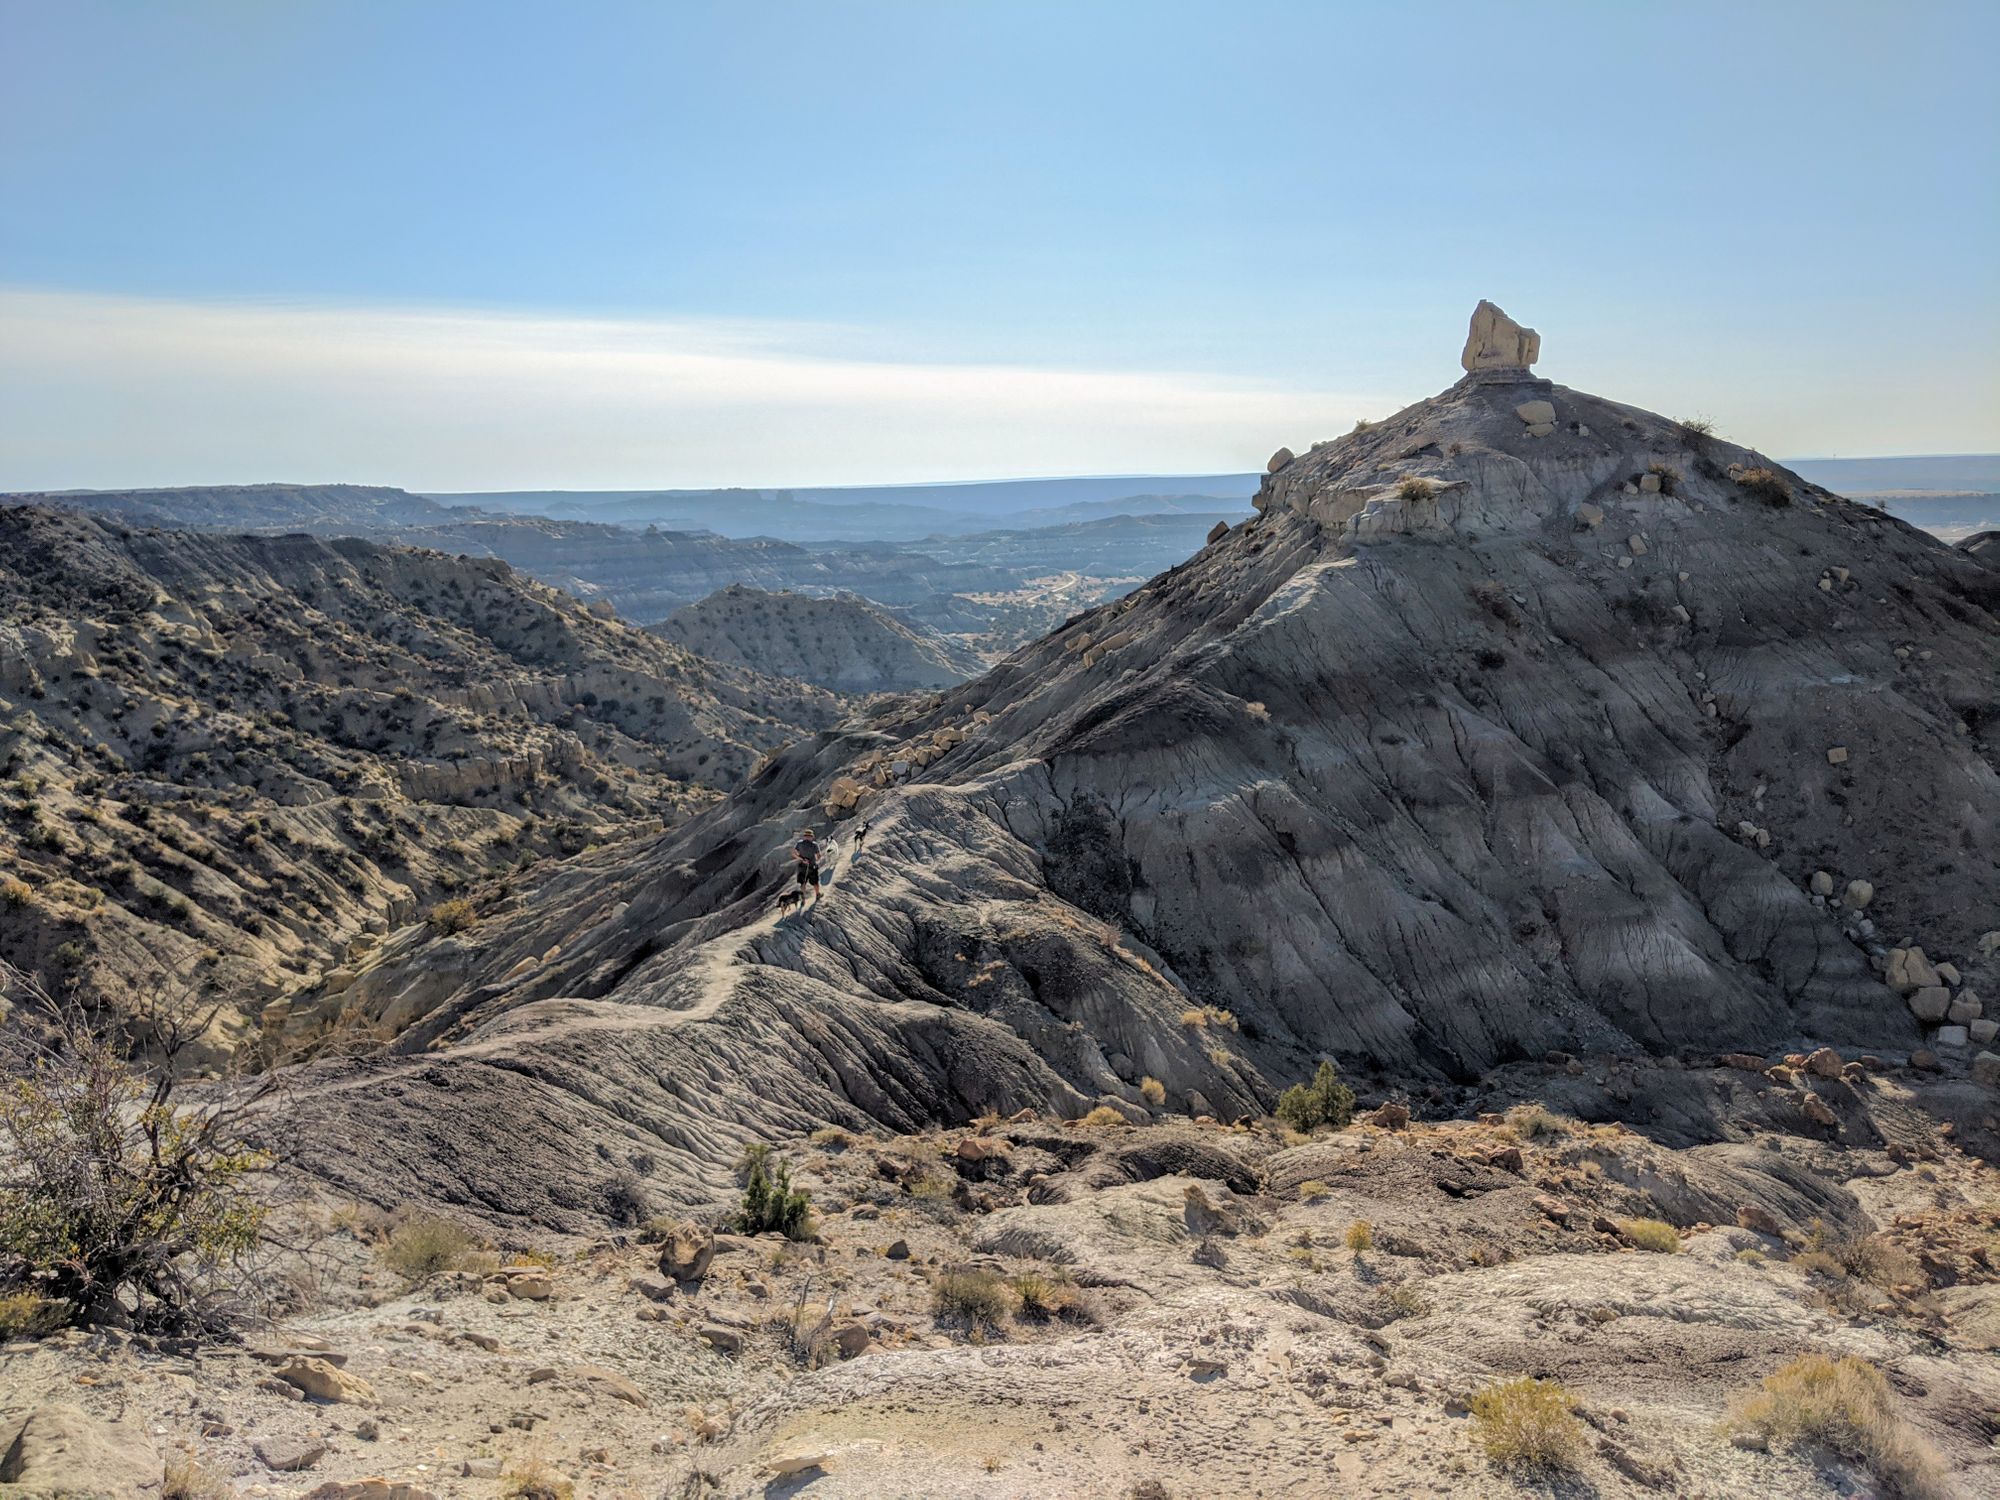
(470, 245)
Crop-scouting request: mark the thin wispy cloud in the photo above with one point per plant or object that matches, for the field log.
(100, 390)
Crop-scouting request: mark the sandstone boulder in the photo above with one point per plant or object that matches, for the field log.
(1278, 460)
(1533, 412)
(1825, 1063)
(1217, 532)
(1496, 342)
(324, 1382)
(1909, 970)
(1859, 893)
(686, 1253)
(288, 1455)
(1930, 1003)
(1966, 1009)
(1986, 1069)
(60, 1450)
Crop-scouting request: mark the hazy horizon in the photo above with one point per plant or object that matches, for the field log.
(701, 246)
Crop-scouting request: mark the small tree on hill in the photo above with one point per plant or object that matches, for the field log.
(769, 1199)
(1324, 1101)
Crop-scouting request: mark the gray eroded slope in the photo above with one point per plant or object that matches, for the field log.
(1425, 775)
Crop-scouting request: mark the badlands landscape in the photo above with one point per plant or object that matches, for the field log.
(1475, 981)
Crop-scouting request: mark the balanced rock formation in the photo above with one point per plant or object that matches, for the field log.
(1496, 342)
(1427, 767)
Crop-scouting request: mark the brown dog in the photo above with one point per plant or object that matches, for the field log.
(789, 900)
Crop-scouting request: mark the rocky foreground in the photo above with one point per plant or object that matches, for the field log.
(1177, 1309)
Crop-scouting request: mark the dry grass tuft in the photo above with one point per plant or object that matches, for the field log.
(977, 1299)
(531, 1477)
(1153, 1091)
(1414, 487)
(1104, 1114)
(188, 1478)
(1530, 1122)
(1654, 1235)
(1767, 485)
(1360, 1236)
(1405, 1299)
(1526, 1423)
(1843, 1404)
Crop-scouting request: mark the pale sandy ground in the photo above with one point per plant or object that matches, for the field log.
(1239, 1347)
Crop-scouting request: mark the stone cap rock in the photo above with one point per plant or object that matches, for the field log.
(1496, 342)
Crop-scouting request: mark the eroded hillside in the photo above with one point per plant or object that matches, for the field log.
(239, 758)
(1521, 720)
(845, 643)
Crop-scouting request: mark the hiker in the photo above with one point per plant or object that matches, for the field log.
(806, 854)
(860, 838)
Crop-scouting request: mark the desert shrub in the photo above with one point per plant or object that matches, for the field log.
(1878, 1261)
(421, 1245)
(1843, 1404)
(1405, 1299)
(770, 1202)
(1312, 1190)
(1360, 1236)
(1654, 1235)
(1415, 487)
(1526, 1423)
(1492, 596)
(23, 1315)
(454, 915)
(120, 1199)
(1207, 1015)
(1153, 1091)
(1767, 485)
(626, 1200)
(1697, 433)
(16, 893)
(1530, 1122)
(978, 1299)
(1104, 1114)
(831, 1138)
(1325, 1101)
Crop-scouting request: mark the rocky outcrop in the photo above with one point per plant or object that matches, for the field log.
(1418, 769)
(1496, 342)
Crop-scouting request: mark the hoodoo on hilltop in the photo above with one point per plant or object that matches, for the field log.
(1520, 720)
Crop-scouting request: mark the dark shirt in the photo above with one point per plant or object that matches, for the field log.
(807, 850)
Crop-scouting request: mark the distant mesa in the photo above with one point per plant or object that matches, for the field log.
(1496, 342)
